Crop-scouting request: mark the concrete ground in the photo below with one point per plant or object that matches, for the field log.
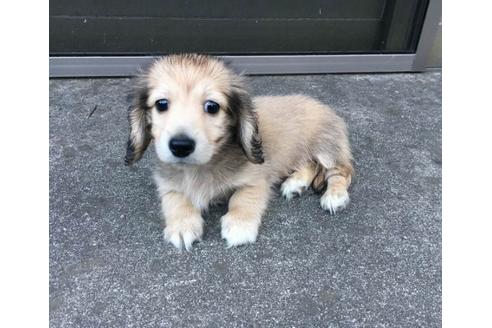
(377, 264)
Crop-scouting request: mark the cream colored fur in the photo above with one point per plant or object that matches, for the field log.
(250, 145)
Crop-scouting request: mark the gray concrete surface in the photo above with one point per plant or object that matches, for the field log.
(377, 264)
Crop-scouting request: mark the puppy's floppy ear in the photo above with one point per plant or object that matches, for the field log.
(139, 119)
(247, 124)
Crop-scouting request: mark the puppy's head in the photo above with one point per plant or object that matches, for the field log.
(191, 106)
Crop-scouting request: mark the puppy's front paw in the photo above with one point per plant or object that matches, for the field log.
(239, 231)
(334, 200)
(184, 232)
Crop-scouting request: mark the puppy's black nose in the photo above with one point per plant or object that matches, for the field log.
(181, 146)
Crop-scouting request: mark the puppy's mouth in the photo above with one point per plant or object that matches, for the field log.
(182, 162)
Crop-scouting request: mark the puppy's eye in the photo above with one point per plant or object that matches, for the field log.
(211, 107)
(162, 105)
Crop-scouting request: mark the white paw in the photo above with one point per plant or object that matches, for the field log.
(334, 200)
(293, 187)
(184, 232)
(238, 231)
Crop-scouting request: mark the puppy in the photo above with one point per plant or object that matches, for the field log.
(213, 140)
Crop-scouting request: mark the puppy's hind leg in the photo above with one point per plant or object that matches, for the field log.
(336, 196)
(298, 181)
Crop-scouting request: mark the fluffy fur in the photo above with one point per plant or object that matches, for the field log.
(241, 151)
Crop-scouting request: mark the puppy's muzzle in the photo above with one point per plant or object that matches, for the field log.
(181, 146)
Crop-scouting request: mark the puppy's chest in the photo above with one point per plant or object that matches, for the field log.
(203, 186)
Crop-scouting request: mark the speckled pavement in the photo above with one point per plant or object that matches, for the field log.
(377, 264)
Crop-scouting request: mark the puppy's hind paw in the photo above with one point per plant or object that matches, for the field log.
(334, 200)
(184, 233)
(293, 187)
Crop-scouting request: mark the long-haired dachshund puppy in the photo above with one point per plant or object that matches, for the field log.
(213, 140)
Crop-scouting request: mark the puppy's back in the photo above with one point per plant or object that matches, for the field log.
(292, 126)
